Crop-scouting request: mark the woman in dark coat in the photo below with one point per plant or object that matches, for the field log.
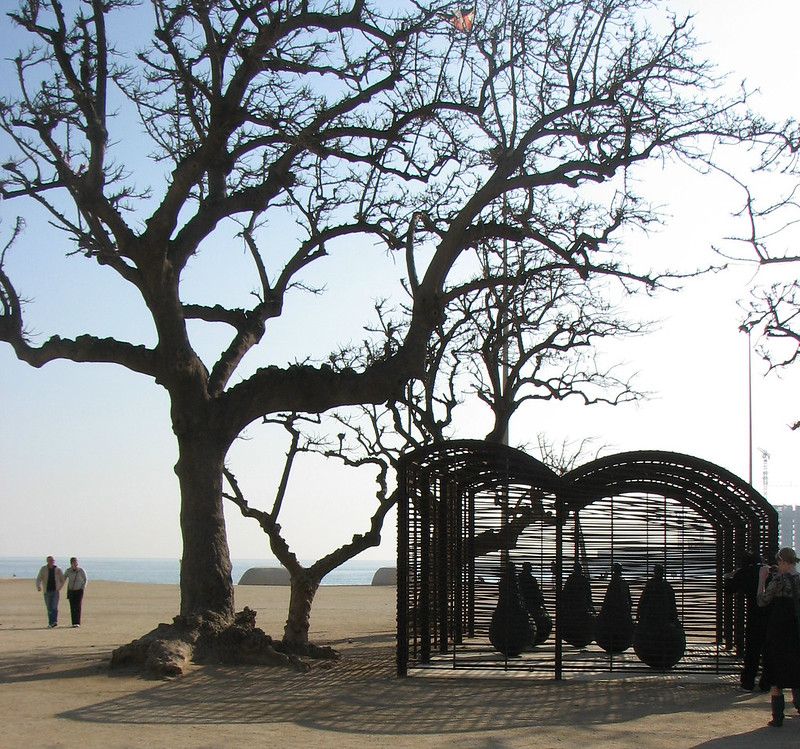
(782, 643)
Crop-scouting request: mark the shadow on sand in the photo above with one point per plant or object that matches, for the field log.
(787, 736)
(362, 695)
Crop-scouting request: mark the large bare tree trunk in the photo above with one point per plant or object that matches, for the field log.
(206, 584)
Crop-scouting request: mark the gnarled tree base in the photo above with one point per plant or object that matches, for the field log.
(165, 651)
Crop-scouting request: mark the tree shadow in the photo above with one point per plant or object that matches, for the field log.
(22, 667)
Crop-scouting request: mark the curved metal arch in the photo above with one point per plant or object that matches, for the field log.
(629, 465)
(715, 493)
(717, 512)
(476, 464)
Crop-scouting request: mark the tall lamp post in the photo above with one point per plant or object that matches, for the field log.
(504, 326)
(747, 330)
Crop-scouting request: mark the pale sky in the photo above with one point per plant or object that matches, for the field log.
(86, 451)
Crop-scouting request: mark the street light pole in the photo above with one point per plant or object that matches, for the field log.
(504, 326)
(750, 402)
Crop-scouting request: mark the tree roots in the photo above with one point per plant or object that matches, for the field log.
(165, 651)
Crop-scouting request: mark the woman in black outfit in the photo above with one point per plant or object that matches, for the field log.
(782, 643)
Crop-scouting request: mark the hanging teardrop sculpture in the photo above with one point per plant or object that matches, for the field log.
(659, 639)
(534, 603)
(615, 625)
(510, 630)
(576, 615)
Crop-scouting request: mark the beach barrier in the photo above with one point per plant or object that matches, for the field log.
(265, 576)
(385, 576)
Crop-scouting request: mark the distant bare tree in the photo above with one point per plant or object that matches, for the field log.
(536, 339)
(562, 457)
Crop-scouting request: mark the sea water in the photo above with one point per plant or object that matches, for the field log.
(167, 571)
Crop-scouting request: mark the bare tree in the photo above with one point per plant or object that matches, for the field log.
(305, 581)
(535, 339)
(390, 128)
(564, 456)
(772, 311)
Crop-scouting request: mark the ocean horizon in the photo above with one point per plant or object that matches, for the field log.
(167, 571)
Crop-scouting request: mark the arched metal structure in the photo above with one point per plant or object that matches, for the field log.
(468, 507)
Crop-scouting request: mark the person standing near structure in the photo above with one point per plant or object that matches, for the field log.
(744, 580)
(50, 579)
(782, 642)
(76, 585)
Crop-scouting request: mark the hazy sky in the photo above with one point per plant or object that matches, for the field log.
(86, 451)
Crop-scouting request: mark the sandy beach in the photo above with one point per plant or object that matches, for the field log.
(56, 689)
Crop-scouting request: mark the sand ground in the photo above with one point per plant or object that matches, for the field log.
(56, 689)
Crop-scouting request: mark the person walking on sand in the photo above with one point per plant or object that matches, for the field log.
(51, 580)
(782, 642)
(76, 584)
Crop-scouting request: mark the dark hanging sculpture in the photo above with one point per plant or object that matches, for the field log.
(615, 624)
(576, 615)
(659, 639)
(534, 603)
(510, 630)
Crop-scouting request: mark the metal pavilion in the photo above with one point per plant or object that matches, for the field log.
(467, 508)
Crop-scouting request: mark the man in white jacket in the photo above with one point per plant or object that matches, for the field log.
(51, 580)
